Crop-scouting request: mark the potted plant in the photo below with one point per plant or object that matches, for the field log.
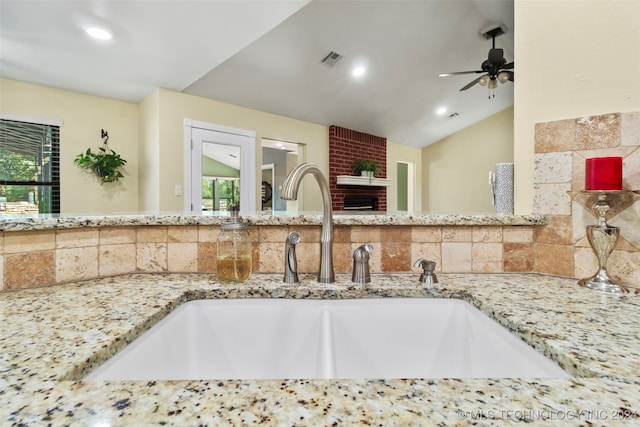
(105, 163)
(365, 167)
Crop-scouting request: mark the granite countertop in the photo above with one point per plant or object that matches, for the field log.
(50, 222)
(51, 337)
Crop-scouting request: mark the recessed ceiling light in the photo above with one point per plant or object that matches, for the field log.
(358, 71)
(440, 111)
(99, 33)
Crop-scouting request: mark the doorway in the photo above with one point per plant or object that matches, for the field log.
(268, 179)
(405, 178)
(278, 158)
(219, 168)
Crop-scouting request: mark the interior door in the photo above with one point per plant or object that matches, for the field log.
(229, 147)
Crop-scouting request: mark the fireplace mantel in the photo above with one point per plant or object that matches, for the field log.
(362, 181)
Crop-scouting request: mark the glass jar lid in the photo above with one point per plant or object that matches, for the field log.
(233, 225)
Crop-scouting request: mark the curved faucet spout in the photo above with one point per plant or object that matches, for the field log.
(290, 192)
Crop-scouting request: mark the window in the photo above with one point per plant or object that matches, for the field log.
(218, 193)
(29, 167)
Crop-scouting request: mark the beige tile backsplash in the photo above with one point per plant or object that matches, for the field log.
(561, 148)
(41, 258)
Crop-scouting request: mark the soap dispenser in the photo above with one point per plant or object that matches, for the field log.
(234, 249)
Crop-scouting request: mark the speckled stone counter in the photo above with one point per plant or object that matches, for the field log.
(53, 336)
(44, 222)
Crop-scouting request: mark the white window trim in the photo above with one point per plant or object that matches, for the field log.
(28, 119)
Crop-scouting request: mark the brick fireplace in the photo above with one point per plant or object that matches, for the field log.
(345, 146)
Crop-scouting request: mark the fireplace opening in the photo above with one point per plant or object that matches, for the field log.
(360, 203)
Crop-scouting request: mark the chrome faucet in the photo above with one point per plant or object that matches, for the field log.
(361, 257)
(290, 260)
(290, 192)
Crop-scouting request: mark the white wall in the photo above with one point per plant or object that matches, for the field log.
(573, 59)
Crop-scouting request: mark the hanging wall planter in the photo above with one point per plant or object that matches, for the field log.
(106, 163)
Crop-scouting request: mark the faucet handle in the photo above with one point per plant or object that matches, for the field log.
(290, 261)
(428, 268)
(294, 238)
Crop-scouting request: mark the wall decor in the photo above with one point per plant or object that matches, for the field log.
(106, 163)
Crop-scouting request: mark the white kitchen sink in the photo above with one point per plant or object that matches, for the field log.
(303, 338)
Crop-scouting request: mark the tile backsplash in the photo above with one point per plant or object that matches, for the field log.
(47, 257)
(561, 148)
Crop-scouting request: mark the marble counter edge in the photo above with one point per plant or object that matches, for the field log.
(34, 223)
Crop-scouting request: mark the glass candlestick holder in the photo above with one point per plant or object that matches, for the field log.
(602, 238)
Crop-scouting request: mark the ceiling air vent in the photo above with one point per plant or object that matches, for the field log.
(331, 59)
(453, 115)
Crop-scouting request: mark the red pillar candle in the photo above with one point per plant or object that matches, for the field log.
(603, 173)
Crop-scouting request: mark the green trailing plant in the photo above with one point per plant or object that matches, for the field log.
(364, 165)
(106, 163)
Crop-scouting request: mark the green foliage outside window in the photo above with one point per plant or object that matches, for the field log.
(16, 167)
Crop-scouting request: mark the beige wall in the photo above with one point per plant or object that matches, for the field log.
(402, 153)
(456, 168)
(83, 117)
(150, 137)
(575, 59)
(149, 152)
(174, 107)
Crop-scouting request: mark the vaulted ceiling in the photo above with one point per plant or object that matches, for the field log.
(266, 55)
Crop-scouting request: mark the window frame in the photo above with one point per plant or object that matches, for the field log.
(54, 182)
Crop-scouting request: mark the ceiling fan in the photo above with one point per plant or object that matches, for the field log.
(495, 67)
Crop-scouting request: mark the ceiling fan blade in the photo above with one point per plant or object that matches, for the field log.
(471, 83)
(455, 73)
(507, 66)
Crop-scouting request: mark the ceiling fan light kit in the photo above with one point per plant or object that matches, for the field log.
(495, 67)
(504, 76)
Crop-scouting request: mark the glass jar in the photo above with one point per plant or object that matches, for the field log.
(234, 251)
